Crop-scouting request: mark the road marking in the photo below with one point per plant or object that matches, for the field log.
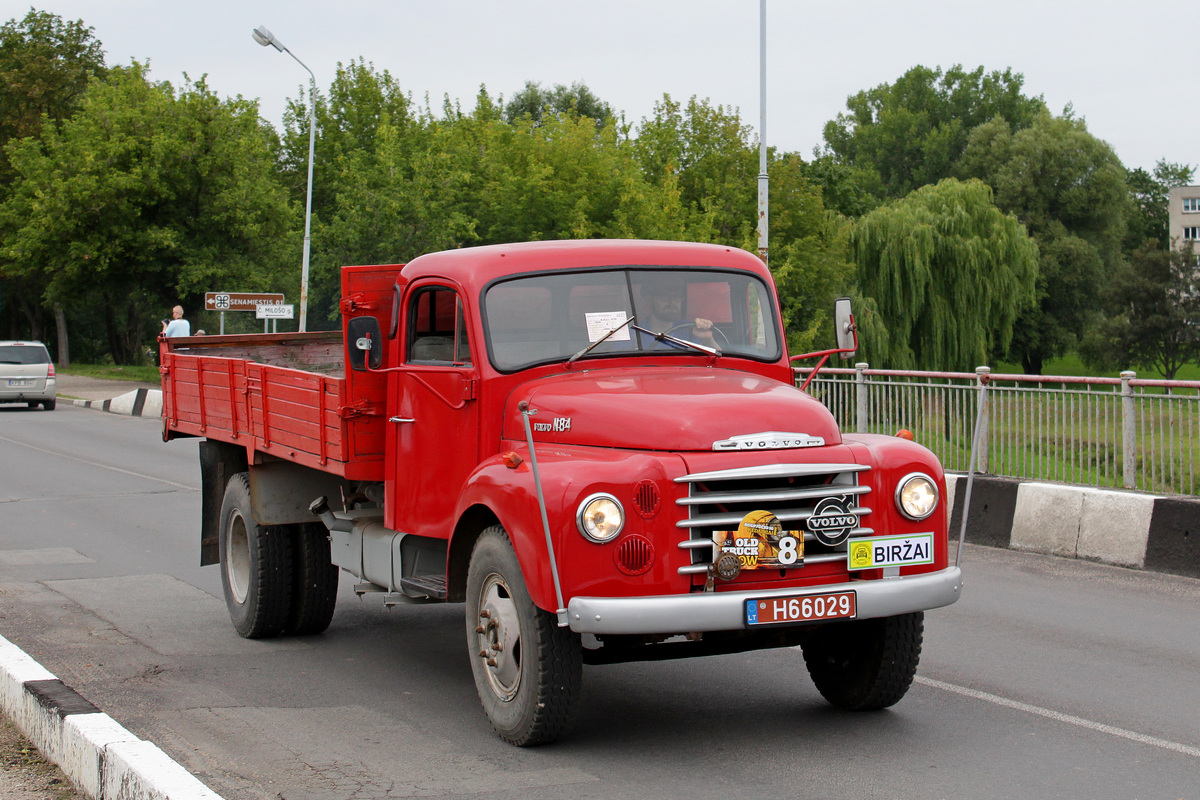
(98, 464)
(1058, 716)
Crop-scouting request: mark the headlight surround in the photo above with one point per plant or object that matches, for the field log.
(600, 517)
(917, 496)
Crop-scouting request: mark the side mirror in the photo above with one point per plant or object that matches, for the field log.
(843, 320)
(364, 344)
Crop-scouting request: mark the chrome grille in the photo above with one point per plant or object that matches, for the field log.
(718, 501)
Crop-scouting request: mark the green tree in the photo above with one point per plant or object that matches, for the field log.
(1068, 188)
(948, 273)
(145, 198)
(1157, 324)
(45, 65)
(576, 100)
(913, 132)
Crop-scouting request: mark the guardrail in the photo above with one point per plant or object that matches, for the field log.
(1124, 432)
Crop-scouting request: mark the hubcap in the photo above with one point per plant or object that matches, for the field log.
(499, 637)
(237, 556)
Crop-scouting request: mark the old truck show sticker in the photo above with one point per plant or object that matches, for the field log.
(760, 541)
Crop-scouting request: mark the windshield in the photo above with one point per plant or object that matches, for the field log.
(23, 354)
(552, 317)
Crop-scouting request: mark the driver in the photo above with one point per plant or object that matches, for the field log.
(664, 298)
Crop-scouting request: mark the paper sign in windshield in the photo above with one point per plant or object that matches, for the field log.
(601, 322)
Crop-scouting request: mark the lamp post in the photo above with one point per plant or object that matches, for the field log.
(762, 131)
(265, 37)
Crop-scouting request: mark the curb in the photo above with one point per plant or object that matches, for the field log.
(138, 403)
(105, 761)
(1122, 528)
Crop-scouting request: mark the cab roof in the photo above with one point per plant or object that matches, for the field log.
(475, 267)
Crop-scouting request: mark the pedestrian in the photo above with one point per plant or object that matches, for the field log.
(178, 326)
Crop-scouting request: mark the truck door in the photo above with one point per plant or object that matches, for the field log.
(433, 413)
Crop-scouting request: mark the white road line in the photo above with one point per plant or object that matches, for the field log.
(98, 464)
(1141, 738)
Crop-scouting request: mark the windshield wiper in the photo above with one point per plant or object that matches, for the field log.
(599, 341)
(666, 337)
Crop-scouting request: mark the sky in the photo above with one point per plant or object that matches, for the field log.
(1124, 67)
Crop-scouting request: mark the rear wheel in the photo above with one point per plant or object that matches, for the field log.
(528, 671)
(47, 404)
(256, 566)
(867, 664)
(314, 580)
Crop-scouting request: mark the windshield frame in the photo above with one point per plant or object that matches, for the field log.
(767, 309)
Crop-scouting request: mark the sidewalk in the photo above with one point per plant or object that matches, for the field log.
(82, 388)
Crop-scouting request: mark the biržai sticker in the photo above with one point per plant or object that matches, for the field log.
(891, 551)
(761, 542)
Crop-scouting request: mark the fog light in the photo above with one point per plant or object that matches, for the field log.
(917, 496)
(600, 517)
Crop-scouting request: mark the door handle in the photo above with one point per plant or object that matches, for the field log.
(400, 419)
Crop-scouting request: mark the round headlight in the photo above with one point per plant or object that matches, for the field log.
(917, 496)
(600, 517)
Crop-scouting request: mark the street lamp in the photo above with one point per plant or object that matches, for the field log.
(265, 37)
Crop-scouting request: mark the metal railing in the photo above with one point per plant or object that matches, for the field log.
(1124, 432)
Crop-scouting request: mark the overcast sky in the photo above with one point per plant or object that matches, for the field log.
(1126, 67)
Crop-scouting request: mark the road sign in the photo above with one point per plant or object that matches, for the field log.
(239, 301)
(275, 312)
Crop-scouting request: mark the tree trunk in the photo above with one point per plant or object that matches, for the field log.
(64, 349)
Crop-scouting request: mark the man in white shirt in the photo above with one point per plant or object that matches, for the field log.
(178, 326)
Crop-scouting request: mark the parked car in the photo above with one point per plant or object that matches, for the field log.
(27, 375)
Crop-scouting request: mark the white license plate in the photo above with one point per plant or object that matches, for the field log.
(801, 608)
(20, 383)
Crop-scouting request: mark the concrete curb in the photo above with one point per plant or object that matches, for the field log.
(138, 403)
(1123, 528)
(100, 757)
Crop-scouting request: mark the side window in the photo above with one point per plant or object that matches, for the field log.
(437, 330)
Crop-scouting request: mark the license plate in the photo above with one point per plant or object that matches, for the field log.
(20, 382)
(800, 608)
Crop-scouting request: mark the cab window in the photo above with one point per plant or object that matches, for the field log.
(437, 330)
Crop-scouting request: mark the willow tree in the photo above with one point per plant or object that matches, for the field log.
(947, 272)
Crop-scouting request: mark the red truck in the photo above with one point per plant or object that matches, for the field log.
(597, 446)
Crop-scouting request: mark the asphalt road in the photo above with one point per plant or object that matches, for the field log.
(1050, 679)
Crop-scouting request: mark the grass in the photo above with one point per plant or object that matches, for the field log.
(139, 373)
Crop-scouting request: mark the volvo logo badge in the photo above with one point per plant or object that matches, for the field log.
(770, 440)
(831, 521)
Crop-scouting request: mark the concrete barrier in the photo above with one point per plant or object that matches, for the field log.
(138, 403)
(1123, 528)
(105, 761)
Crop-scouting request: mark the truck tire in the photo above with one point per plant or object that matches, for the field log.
(528, 671)
(314, 580)
(868, 664)
(256, 566)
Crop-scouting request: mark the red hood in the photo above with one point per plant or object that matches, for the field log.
(675, 409)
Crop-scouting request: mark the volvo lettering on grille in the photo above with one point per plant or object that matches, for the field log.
(770, 440)
(831, 521)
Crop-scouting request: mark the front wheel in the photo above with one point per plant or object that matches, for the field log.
(866, 664)
(528, 671)
(256, 566)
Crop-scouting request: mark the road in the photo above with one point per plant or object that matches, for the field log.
(1051, 678)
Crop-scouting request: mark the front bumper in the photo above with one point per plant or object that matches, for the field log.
(725, 611)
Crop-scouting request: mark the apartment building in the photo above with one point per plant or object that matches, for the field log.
(1184, 210)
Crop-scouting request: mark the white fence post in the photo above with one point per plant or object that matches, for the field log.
(860, 395)
(1128, 431)
(983, 376)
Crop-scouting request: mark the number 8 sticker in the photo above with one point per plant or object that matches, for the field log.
(788, 550)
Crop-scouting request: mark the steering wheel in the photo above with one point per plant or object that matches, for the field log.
(714, 329)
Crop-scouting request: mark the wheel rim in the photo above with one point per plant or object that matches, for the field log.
(237, 556)
(499, 637)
